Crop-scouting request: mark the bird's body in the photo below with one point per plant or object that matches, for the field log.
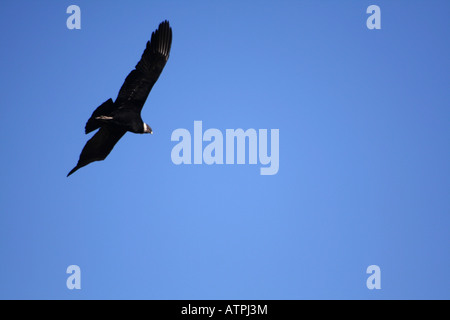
(115, 118)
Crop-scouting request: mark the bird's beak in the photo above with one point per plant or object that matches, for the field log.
(148, 129)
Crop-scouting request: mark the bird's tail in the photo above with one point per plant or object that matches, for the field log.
(103, 110)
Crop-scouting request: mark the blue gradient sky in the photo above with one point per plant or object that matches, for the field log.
(364, 152)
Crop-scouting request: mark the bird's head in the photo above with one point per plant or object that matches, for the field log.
(147, 129)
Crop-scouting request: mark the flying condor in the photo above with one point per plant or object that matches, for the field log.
(116, 118)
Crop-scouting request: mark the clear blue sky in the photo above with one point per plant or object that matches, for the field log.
(364, 173)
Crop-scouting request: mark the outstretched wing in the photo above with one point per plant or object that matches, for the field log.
(99, 146)
(139, 82)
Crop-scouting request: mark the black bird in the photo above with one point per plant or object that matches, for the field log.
(116, 118)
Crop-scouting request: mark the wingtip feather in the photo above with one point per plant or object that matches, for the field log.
(72, 171)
